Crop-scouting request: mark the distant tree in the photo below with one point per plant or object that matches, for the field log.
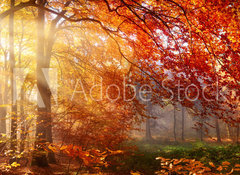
(218, 132)
(174, 122)
(12, 80)
(183, 122)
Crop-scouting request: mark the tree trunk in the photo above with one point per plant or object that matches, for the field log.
(43, 61)
(13, 91)
(148, 130)
(22, 98)
(3, 114)
(148, 126)
(6, 90)
(174, 124)
(44, 105)
(218, 131)
(230, 131)
(183, 120)
(201, 131)
(49, 46)
(47, 96)
(237, 137)
(23, 130)
(3, 97)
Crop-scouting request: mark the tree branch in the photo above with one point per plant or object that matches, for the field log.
(18, 7)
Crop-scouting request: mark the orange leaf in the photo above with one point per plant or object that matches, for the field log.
(211, 164)
(226, 163)
(220, 168)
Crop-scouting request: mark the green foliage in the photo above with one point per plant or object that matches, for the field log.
(136, 161)
(144, 160)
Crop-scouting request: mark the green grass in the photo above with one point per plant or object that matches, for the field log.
(144, 158)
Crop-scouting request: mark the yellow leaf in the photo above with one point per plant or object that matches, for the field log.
(52, 148)
(3, 135)
(15, 164)
(63, 147)
(8, 166)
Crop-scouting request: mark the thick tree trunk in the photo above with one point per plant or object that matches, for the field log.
(183, 120)
(49, 47)
(43, 61)
(218, 131)
(46, 64)
(13, 91)
(44, 104)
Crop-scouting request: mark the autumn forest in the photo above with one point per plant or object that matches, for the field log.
(125, 87)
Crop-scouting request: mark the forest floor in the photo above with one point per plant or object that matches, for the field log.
(53, 169)
(143, 158)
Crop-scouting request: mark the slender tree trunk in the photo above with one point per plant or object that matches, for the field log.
(218, 131)
(174, 124)
(6, 79)
(148, 130)
(3, 114)
(230, 130)
(3, 109)
(238, 133)
(201, 131)
(23, 130)
(2, 121)
(183, 120)
(148, 126)
(13, 91)
(22, 97)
